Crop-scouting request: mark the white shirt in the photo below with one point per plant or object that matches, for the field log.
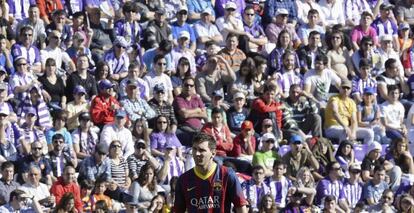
(153, 79)
(57, 54)
(110, 133)
(394, 113)
(320, 84)
(224, 25)
(334, 13)
(40, 192)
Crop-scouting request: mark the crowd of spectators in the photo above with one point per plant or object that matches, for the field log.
(310, 102)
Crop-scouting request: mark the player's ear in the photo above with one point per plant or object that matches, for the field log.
(213, 152)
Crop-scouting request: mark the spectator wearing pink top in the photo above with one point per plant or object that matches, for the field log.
(364, 29)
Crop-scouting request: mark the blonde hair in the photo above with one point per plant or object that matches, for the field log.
(299, 177)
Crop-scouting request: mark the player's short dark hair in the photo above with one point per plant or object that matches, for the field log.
(202, 137)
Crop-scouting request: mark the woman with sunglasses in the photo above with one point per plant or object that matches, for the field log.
(160, 138)
(339, 57)
(76, 107)
(140, 157)
(119, 166)
(183, 70)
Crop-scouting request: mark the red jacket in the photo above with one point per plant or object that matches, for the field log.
(102, 111)
(223, 138)
(260, 111)
(59, 188)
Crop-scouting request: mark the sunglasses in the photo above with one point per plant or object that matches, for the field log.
(162, 122)
(188, 85)
(183, 13)
(140, 146)
(116, 146)
(120, 46)
(250, 14)
(22, 64)
(55, 37)
(36, 148)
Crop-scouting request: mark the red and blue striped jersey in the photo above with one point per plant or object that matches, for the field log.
(212, 194)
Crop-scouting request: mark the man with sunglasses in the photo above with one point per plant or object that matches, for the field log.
(253, 29)
(118, 59)
(25, 48)
(158, 76)
(67, 184)
(39, 160)
(129, 27)
(140, 157)
(341, 117)
(162, 107)
(353, 185)
(53, 50)
(181, 25)
(61, 156)
(385, 204)
(279, 23)
(230, 22)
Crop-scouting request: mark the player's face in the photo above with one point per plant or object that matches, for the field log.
(202, 154)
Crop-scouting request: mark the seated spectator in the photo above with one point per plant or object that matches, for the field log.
(267, 154)
(392, 114)
(22, 80)
(7, 184)
(140, 157)
(134, 105)
(25, 49)
(237, 113)
(61, 155)
(59, 23)
(141, 131)
(217, 102)
(231, 53)
(95, 166)
(66, 203)
(134, 73)
(158, 204)
(102, 38)
(406, 203)
(9, 151)
(181, 25)
(171, 166)
(254, 31)
(183, 70)
(255, 188)
(339, 57)
(333, 11)
(244, 79)
(387, 52)
(195, 9)
(331, 185)
(36, 158)
(300, 114)
(164, 48)
(34, 100)
(345, 155)
(399, 154)
(206, 31)
(157, 30)
(404, 40)
(311, 25)
(305, 185)
(54, 51)
(102, 71)
(145, 187)
(283, 44)
(367, 51)
(341, 118)
(306, 62)
(119, 166)
(363, 81)
(81, 77)
(206, 85)
(104, 105)
(279, 183)
(67, 184)
(34, 20)
(304, 7)
(129, 26)
(280, 23)
(161, 138)
(80, 46)
(353, 185)
(98, 195)
(231, 22)
(59, 121)
(158, 76)
(220, 132)
(84, 137)
(162, 107)
(53, 85)
(18, 202)
(392, 76)
(323, 151)
(385, 24)
(190, 110)
(30, 133)
(117, 59)
(267, 204)
(244, 144)
(364, 29)
(117, 131)
(76, 107)
(266, 107)
(182, 50)
(299, 155)
(375, 187)
(374, 159)
(369, 115)
(37, 190)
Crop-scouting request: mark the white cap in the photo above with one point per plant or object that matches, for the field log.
(282, 11)
(230, 5)
(184, 34)
(373, 146)
(268, 136)
(386, 37)
(183, 8)
(238, 95)
(207, 11)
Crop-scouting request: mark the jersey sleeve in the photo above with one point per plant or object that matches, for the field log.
(179, 201)
(235, 190)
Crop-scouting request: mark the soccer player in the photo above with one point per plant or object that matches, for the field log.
(208, 187)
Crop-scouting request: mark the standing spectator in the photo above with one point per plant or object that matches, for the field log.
(104, 105)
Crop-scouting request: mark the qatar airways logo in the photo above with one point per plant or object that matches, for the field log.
(206, 202)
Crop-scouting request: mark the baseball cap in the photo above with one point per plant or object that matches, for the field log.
(120, 113)
(386, 6)
(100, 148)
(85, 116)
(346, 83)
(79, 89)
(247, 125)
(268, 136)
(386, 37)
(296, 139)
(238, 95)
(230, 5)
(369, 90)
(105, 84)
(132, 82)
(159, 88)
(355, 167)
(4, 111)
(182, 8)
(160, 11)
(184, 34)
(30, 110)
(218, 93)
(282, 11)
(207, 11)
(267, 121)
(404, 26)
(373, 146)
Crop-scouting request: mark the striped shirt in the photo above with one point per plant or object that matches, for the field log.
(19, 8)
(135, 164)
(354, 8)
(279, 190)
(353, 192)
(384, 28)
(166, 110)
(20, 79)
(32, 55)
(328, 187)
(43, 114)
(176, 168)
(358, 85)
(287, 79)
(119, 171)
(117, 65)
(254, 192)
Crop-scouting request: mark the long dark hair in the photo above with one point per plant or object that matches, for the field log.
(188, 72)
(329, 43)
(142, 179)
(279, 42)
(251, 65)
(64, 201)
(99, 70)
(156, 129)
